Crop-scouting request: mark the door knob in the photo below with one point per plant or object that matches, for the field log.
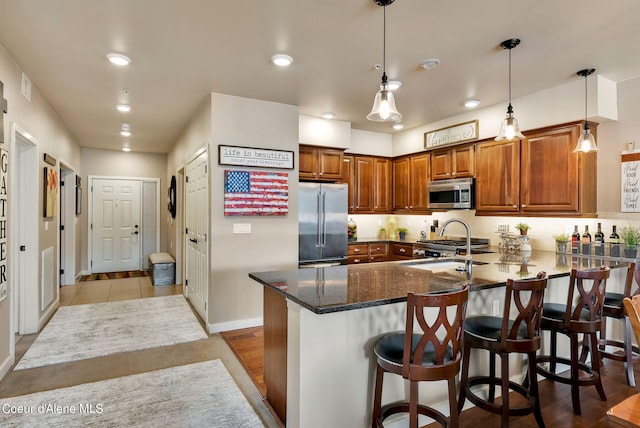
(134, 233)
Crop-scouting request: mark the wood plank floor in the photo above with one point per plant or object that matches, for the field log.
(247, 345)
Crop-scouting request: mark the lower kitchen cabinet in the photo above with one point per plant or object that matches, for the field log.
(366, 253)
(399, 251)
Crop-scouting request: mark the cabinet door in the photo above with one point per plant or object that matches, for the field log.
(363, 166)
(441, 167)
(498, 176)
(330, 164)
(308, 162)
(549, 171)
(382, 185)
(348, 178)
(418, 179)
(401, 184)
(463, 161)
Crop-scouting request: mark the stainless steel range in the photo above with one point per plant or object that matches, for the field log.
(453, 245)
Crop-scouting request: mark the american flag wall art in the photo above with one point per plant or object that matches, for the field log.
(256, 193)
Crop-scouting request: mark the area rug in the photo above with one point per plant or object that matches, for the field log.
(113, 275)
(87, 331)
(194, 395)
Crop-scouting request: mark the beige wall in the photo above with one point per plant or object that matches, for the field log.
(51, 135)
(116, 163)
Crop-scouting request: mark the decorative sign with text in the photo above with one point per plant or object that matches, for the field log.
(4, 169)
(630, 184)
(260, 158)
(450, 135)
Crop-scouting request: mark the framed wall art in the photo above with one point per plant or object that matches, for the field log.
(50, 191)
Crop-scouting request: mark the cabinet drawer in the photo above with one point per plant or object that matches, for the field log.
(354, 260)
(374, 258)
(401, 251)
(375, 249)
(357, 249)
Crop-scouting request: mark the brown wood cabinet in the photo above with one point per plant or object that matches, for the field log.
(320, 163)
(410, 178)
(367, 253)
(453, 162)
(539, 175)
(399, 251)
(368, 178)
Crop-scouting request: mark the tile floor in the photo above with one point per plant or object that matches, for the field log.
(67, 374)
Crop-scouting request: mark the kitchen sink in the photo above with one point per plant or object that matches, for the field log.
(441, 265)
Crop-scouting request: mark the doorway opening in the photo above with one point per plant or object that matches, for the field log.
(67, 229)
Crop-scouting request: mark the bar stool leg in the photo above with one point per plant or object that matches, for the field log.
(453, 406)
(628, 352)
(575, 388)
(413, 405)
(492, 376)
(377, 398)
(533, 387)
(504, 376)
(464, 377)
(595, 364)
(553, 351)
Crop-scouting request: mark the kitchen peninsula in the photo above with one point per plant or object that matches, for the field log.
(320, 326)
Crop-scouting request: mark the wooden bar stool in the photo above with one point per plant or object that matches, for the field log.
(432, 354)
(503, 336)
(613, 309)
(582, 314)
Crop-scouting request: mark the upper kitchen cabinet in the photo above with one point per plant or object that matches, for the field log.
(320, 163)
(453, 162)
(539, 175)
(410, 178)
(369, 183)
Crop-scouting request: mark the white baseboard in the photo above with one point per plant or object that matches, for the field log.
(82, 273)
(234, 325)
(7, 363)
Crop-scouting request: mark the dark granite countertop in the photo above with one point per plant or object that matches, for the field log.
(346, 287)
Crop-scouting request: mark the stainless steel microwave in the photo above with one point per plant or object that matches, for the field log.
(455, 194)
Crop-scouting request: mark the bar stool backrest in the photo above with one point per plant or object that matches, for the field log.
(591, 299)
(448, 347)
(632, 308)
(631, 275)
(527, 295)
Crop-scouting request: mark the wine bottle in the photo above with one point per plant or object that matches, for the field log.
(575, 238)
(599, 241)
(614, 238)
(586, 241)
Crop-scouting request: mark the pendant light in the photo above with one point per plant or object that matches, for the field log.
(384, 104)
(510, 129)
(586, 142)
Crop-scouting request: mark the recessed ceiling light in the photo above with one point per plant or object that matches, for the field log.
(472, 103)
(124, 108)
(125, 133)
(394, 84)
(126, 149)
(281, 60)
(430, 64)
(119, 59)
(398, 125)
(328, 115)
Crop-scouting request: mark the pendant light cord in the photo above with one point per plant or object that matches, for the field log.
(509, 76)
(384, 39)
(586, 99)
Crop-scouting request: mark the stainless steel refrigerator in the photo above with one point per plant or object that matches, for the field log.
(322, 223)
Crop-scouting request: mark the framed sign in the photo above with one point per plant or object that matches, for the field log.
(259, 158)
(460, 133)
(630, 183)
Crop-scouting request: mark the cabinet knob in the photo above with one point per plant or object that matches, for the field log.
(320, 173)
(356, 260)
(410, 206)
(402, 250)
(524, 205)
(515, 206)
(356, 250)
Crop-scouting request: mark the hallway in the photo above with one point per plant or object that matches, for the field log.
(74, 373)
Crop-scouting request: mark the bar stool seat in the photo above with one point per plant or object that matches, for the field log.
(581, 315)
(502, 336)
(613, 308)
(432, 354)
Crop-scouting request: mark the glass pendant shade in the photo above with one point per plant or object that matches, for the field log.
(510, 129)
(384, 106)
(586, 142)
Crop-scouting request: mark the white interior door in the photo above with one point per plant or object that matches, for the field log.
(196, 223)
(115, 225)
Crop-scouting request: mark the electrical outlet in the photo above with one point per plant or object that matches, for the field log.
(242, 228)
(496, 308)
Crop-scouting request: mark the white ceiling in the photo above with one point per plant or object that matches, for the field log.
(182, 50)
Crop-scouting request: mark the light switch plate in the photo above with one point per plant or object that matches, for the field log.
(241, 227)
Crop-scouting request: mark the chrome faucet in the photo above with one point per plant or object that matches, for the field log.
(469, 262)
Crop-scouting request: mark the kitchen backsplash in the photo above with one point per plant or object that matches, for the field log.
(540, 233)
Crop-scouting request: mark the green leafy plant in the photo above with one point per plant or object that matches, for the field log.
(523, 227)
(563, 237)
(402, 230)
(630, 235)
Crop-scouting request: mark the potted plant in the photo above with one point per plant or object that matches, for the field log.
(561, 242)
(630, 236)
(402, 233)
(523, 228)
